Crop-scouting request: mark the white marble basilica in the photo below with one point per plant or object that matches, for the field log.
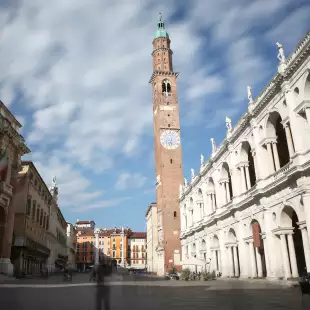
(247, 212)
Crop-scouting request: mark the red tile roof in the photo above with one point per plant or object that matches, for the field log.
(138, 235)
(88, 232)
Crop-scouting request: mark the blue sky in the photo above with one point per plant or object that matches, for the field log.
(76, 72)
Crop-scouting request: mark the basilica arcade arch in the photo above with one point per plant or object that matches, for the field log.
(293, 253)
(233, 253)
(257, 251)
(280, 150)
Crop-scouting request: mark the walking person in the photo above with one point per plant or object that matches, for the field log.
(92, 274)
(103, 290)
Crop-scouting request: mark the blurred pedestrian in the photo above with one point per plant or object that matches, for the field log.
(92, 274)
(103, 290)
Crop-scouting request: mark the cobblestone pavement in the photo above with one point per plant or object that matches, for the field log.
(117, 279)
(149, 297)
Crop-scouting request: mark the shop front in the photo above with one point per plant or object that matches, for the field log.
(29, 257)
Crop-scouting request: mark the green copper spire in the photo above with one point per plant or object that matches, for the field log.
(161, 32)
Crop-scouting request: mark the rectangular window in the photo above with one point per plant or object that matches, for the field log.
(41, 218)
(28, 206)
(38, 213)
(34, 210)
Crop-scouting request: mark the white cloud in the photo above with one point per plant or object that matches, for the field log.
(246, 66)
(130, 181)
(204, 86)
(83, 69)
(291, 29)
(102, 204)
(74, 188)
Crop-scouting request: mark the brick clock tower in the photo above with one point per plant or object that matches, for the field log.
(168, 155)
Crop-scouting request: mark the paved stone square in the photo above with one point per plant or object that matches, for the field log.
(138, 292)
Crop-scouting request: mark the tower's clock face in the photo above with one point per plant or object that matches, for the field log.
(170, 139)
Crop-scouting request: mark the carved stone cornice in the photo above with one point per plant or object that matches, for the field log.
(267, 140)
(163, 74)
(305, 104)
(283, 230)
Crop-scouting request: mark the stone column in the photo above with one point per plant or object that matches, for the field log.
(219, 259)
(201, 206)
(210, 204)
(97, 232)
(286, 263)
(266, 255)
(259, 263)
(213, 202)
(305, 242)
(214, 264)
(252, 260)
(256, 168)
(307, 111)
(289, 139)
(276, 156)
(191, 217)
(243, 180)
(231, 260)
(236, 262)
(247, 174)
(227, 191)
(292, 255)
(270, 156)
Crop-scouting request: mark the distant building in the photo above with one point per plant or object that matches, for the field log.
(118, 250)
(85, 249)
(85, 224)
(136, 250)
(151, 237)
(110, 246)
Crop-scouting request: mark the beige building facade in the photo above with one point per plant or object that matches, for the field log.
(57, 233)
(151, 238)
(247, 212)
(71, 245)
(32, 205)
(137, 250)
(13, 146)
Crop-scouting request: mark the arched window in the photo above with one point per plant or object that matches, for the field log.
(166, 87)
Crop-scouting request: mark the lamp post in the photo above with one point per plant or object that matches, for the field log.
(97, 232)
(122, 247)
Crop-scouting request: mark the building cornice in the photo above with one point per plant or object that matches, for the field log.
(163, 74)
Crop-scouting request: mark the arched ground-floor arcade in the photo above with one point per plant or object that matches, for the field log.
(271, 243)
